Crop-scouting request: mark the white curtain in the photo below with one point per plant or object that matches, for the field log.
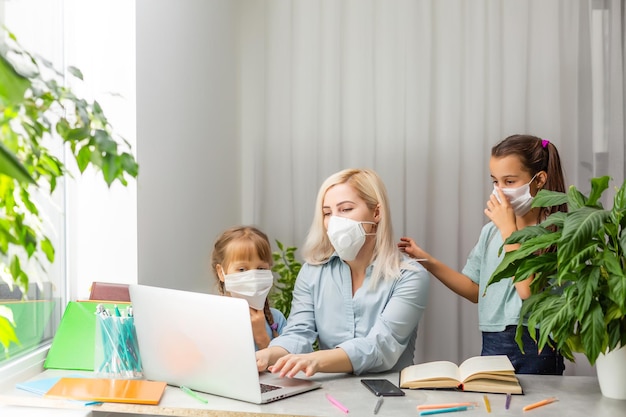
(419, 91)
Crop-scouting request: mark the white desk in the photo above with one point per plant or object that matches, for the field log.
(578, 396)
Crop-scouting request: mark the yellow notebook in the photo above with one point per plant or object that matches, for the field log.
(135, 391)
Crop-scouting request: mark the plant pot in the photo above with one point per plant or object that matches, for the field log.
(611, 369)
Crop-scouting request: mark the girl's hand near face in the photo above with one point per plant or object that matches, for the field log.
(261, 338)
(501, 214)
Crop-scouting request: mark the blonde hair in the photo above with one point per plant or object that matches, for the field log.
(317, 248)
(239, 243)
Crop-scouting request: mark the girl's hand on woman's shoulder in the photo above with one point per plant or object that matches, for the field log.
(408, 246)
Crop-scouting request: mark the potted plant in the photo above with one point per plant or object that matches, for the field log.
(38, 112)
(287, 267)
(578, 293)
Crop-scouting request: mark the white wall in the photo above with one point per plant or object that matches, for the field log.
(187, 137)
(102, 221)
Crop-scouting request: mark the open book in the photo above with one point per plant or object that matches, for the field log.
(493, 374)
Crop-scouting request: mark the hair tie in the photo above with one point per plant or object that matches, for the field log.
(274, 326)
(544, 142)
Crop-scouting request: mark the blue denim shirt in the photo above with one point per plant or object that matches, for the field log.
(376, 328)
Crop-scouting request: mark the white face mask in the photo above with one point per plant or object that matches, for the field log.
(347, 236)
(253, 286)
(519, 198)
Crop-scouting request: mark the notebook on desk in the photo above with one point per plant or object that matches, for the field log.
(204, 342)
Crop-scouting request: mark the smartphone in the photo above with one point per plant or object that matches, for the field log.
(382, 387)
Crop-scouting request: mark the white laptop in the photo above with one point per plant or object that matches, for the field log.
(204, 342)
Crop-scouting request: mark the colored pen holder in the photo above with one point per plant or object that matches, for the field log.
(116, 351)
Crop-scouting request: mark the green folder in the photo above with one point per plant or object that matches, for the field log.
(73, 345)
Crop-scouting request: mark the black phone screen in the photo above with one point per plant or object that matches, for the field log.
(382, 387)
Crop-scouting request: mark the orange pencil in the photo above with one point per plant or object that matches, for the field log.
(540, 403)
(450, 405)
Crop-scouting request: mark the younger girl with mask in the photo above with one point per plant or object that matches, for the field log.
(356, 294)
(520, 166)
(242, 260)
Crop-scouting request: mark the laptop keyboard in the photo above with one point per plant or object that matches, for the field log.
(267, 388)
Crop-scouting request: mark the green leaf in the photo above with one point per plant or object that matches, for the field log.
(83, 158)
(556, 219)
(617, 288)
(52, 165)
(578, 261)
(616, 332)
(129, 165)
(63, 127)
(593, 334)
(509, 265)
(580, 227)
(27, 203)
(598, 186)
(75, 72)
(544, 263)
(109, 169)
(11, 166)
(13, 85)
(15, 266)
(104, 143)
(547, 198)
(48, 249)
(587, 285)
(7, 328)
(619, 206)
(77, 134)
(622, 242)
(527, 233)
(575, 199)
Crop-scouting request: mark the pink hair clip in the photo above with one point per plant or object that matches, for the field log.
(274, 326)
(544, 142)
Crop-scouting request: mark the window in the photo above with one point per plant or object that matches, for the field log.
(93, 227)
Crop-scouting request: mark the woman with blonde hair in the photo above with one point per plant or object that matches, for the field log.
(356, 293)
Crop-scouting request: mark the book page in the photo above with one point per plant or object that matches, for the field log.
(493, 376)
(430, 371)
(485, 364)
(489, 385)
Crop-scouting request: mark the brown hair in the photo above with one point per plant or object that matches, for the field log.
(536, 155)
(240, 242)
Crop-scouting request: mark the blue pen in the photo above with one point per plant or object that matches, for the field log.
(444, 410)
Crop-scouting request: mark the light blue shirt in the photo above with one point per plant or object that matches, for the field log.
(279, 320)
(500, 306)
(376, 328)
